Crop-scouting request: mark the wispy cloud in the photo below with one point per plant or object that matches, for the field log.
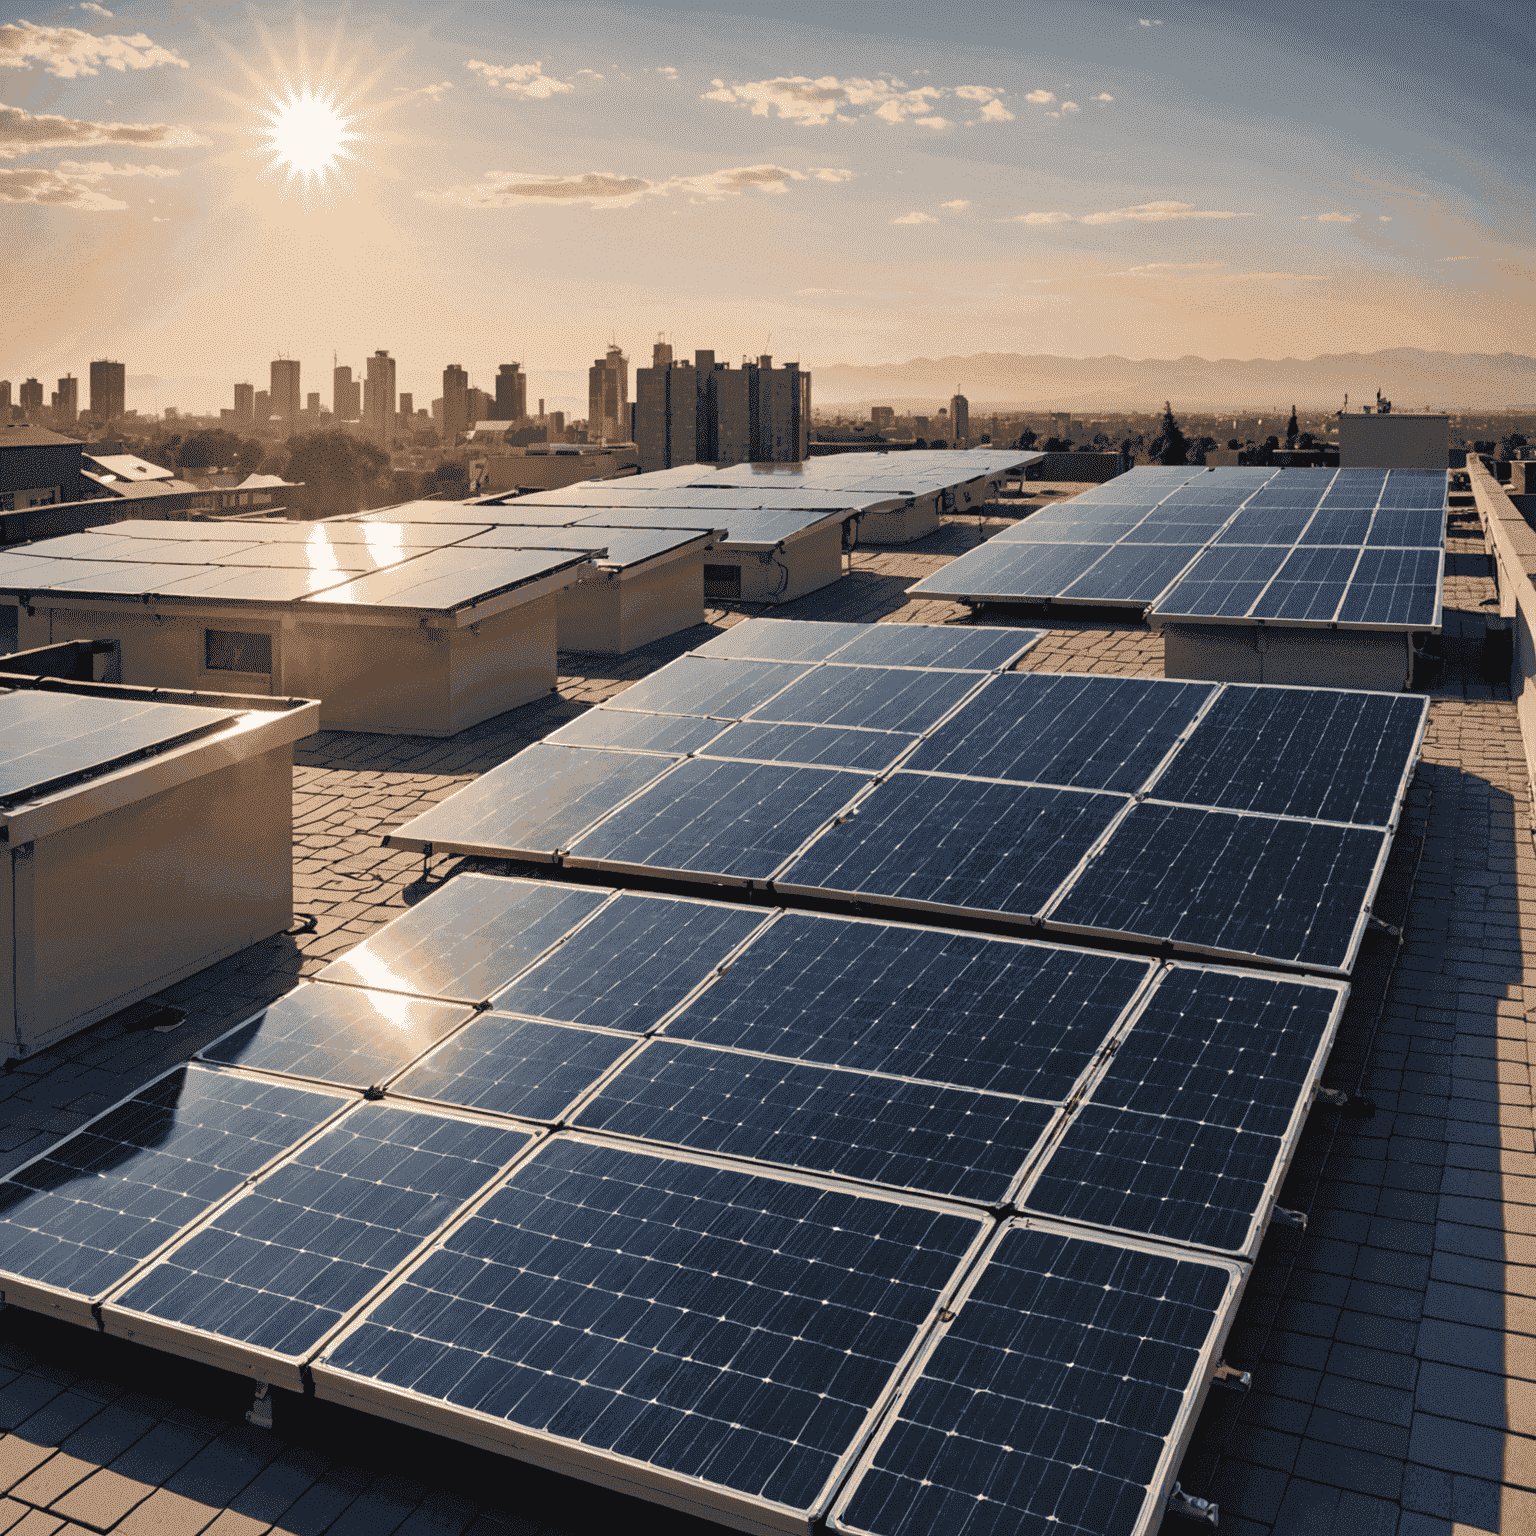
(811, 103)
(668, 71)
(603, 189)
(70, 184)
(1151, 268)
(915, 217)
(432, 92)
(99, 10)
(959, 205)
(1455, 258)
(526, 80)
(1383, 218)
(1161, 212)
(1142, 21)
(1275, 277)
(1333, 218)
(1070, 107)
(1040, 98)
(21, 132)
(68, 52)
(1103, 96)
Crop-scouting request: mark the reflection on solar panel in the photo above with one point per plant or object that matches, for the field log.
(631, 731)
(818, 745)
(879, 1130)
(1374, 540)
(715, 1336)
(80, 1218)
(1054, 1398)
(1186, 1136)
(871, 698)
(278, 1268)
(723, 689)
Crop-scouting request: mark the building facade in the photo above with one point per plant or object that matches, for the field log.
(667, 398)
(511, 392)
(455, 403)
(608, 397)
(284, 394)
(346, 395)
(245, 405)
(960, 420)
(379, 400)
(108, 390)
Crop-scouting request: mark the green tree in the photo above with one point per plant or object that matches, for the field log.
(215, 448)
(340, 473)
(1027, 439)
(1291, 429)
(1510, 445)
(1172, 447)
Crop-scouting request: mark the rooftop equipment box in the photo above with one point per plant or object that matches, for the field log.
(145, 834)
(1393, 442)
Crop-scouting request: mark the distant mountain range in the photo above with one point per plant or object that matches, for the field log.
(1407, 376)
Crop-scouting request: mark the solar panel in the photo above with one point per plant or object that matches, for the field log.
(729, 820)
(936, 645)
(777, 640)
(1129, 573)
(872, 751)
(1055, 1398)
(956, 845)
(1311, 752)
(48, 740)
(725, 689)
(444, 580)
(880, 1130)
(870, 698)
(1269, 523)
(1225, 582)
(86, 1213)
(1393, 587)
(632, 964)
(1309, 586)
(1339, 522)
(509, 1066)
(611, 546)
(1189, 1133)
(1073, 524)
(714, 1337)
(1228, 884)
(343, 1035)
(633, 731)
(1085, 731)
(1018, 572)
(1001, 1015)
(1410, 527)
(271, 1274)
(534, 803)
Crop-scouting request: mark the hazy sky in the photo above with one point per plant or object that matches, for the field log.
(833, 182)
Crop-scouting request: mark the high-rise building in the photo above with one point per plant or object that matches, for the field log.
(261, 403)
(285, 388)
(379, 399)
(455, 403)
(407, 411)
(66, 402)
(31, 397)
(245, 405)
(608, 397)
(482, 407)
(346, 395)
(781, 412)
(512, 393)
(960, 420)
(666, 412)
(5, 395)
(108, 394)
(881, 417)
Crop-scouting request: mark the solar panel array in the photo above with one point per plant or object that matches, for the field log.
(784, 1216)
(822, 761)
(1349, 548)
(683, 1195)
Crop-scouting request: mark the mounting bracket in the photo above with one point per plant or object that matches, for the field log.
(259, 1414)
(1186, 1504)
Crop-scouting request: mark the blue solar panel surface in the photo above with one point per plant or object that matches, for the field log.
(724, 688)
(466, 940)
(1186, 1130)
(957, 844)
(704, 1321)
(343, 1035)
(872, 698)
(991, 1014)
(819, 745)
(631, 731)
(1392, 586)
(1310, 752)
(1046, 1405)
(1129, 573)
(84, 1216)
(717, 817)
(509, 1066)
(633, 963)
(1230, 884)
(881, 1130)
(536, 802)
(280, 1267)
(1085, 731)
(935, 645)
(777, 640)
(1310, 585)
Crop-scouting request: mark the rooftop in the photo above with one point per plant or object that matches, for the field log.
(1390, 1343)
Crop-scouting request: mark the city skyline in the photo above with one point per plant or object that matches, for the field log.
(861, 188)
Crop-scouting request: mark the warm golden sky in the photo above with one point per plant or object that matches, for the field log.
(852, 183)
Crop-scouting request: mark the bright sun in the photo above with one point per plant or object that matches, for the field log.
(307, 136)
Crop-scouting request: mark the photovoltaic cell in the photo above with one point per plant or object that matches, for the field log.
(507, 1066)
(704, 1321)
(777, 640)
(958, 1008)
(342, 1035)
(873, 698)
(1059, 525)
(823, 746)
(1225, 582)
(934, 1140)
(632, 731)
(715, 817)
(1129, 573)
(936, 645)
(534, 803)
(280, 1267)
(1184, 1133)
(957, 844)
(1345, 521)
(1088, 732)
(1408, 527)
(1394, 586)
(467, 939)
(1267, 523)
(1242, 885)
(633, 963)
(86, 1214)
(1022, 572)
(1310, 752)
(1309, 586)
(1046, 1405)
(724, 688)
